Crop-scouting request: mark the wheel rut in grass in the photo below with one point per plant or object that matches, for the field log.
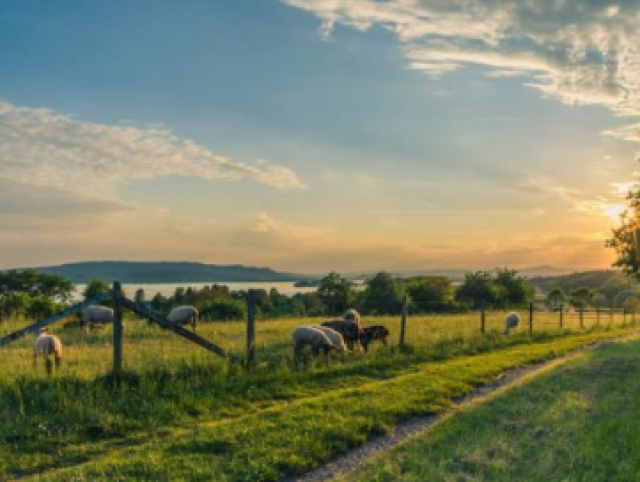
(377, 445)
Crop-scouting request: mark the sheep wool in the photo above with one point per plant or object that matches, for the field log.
(315, 338)
(334, 337)
(184, 315)
(511, 321)
(96, 315)
(47, 345)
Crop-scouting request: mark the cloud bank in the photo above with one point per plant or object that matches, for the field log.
(40, 147)
(576, 51)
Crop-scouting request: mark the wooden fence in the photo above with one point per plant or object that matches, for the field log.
(119, 302)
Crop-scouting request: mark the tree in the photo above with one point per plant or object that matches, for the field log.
(95, 287)
(139, 296)
(16, 304)
(556, 298)
(517, 291)
(32, 283)
(42, 307)
(382, 296)
(625, 239)
(480, 288)
(430, 293)
(336, 293)
(582, 297)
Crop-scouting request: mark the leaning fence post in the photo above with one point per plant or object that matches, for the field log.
(530, 318)
(483, 318)
(403, 321)
(117, 329)
(251, 328)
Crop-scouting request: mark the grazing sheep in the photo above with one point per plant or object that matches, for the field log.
(372, 333)
(184, 315)
(47, 345)
(352, 315)
(334, 337)
(96, 316)
(315, 338)
(349, 331)
(511, 321)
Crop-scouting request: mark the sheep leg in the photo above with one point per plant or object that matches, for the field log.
(48, 365)
(384, 341)
(58, 361)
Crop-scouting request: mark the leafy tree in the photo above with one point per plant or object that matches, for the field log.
(382, 295)
(32, 283)
(42, 307)
(430, 293)
(15, 304)
(480, 288)
(336, 293)
(139, 296)
(582, 297)
(160, 303)
(516, 288)
(625, 240)
(631, 303)
(556, 297)
(95, 287)
(179, 296)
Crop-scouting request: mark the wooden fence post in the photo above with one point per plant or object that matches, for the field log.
(611, 316)
(483, 318)
(581, 311)
(561, 316)
(403, 321)
(530, 318)
(597, 315)
(624, 316)
(117, 329)
(251, 328)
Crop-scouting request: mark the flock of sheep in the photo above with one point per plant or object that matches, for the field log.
(342, 335)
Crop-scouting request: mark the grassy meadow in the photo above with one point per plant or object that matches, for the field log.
(180, 410)
(578, 422)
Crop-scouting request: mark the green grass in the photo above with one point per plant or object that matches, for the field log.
(180, 410)
(580, 422)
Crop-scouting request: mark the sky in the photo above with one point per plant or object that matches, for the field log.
(317, 135)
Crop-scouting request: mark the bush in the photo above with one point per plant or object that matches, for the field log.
(224, 310)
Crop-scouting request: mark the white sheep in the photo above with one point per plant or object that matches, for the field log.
(315, 338)
(96, 316)
(511, 321)
(184, 315)
(352, 315)
(335, 338)
(47, 345)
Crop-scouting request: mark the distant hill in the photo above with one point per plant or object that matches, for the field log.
(164, 272)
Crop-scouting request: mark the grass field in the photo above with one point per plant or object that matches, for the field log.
(180, 410)
(580, 422)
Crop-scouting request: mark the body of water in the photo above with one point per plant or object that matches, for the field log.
(167, 289)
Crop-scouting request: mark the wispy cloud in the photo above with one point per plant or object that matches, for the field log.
(44, 148)
(579, 51)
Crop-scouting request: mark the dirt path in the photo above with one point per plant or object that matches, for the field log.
(376, 446)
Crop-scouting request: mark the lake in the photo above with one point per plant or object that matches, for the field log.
(167, 289)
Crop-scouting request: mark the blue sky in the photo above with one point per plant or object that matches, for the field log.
(316, 135)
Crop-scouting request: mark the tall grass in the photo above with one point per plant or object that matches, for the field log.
(169, 382)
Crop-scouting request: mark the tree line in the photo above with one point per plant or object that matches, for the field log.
(34, 295)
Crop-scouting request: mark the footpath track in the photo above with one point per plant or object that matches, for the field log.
(376, 446)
